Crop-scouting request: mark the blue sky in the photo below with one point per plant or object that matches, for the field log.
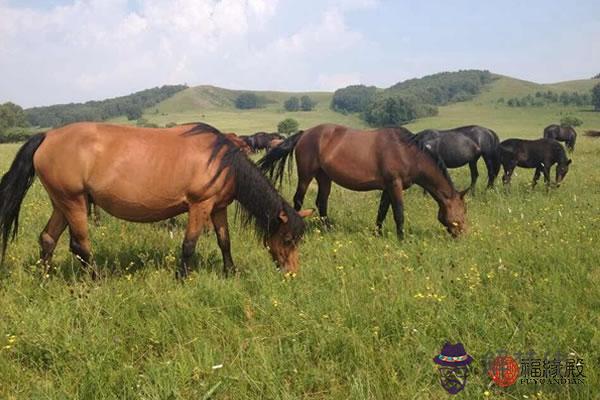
(63, 51)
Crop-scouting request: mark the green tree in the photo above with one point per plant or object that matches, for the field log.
(247, 101)
(11, 116)
(134, 112)
(287, 126)
(596, 97)
(292, 104)
(390, 111)
(570, 121)
(355, 98)
(307, 104)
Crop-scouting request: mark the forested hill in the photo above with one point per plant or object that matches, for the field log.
(131, 106)
(410, 99)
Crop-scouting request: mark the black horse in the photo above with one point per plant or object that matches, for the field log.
(261, 140)
(563, 134)
(540, 154)
(464, 145)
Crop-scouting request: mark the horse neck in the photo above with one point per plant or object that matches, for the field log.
(433, 180)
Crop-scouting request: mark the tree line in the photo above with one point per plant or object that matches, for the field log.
(304, 103)
(541, 99)
(410, 99)
(250, 100)
(131, 106)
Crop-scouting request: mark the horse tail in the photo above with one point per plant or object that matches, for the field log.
(495, 156)
(13, 188)
(273, 163)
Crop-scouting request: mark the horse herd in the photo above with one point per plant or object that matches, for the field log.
(148, 175)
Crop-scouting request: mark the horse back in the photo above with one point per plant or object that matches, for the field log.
(112, 161)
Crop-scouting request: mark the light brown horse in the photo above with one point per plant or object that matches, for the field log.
(385, 159)
(147, 175)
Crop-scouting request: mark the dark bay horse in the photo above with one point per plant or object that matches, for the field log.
(147, 175)
(465, 145)
(563, 134)
(384, 159)
(261, 140)
(540, 154)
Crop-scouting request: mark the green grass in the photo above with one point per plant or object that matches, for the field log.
(364, 317)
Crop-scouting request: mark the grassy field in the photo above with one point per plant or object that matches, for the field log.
(362, 320)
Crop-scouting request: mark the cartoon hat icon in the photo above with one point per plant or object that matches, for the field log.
(453, 355)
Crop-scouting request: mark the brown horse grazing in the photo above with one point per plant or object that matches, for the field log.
(147, 175)
(385, 159)
(563, 134)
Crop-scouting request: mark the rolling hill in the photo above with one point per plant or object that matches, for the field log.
(216, 106)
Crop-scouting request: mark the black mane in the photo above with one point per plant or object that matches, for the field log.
(261, 203)
(411, 139)
(200, 127)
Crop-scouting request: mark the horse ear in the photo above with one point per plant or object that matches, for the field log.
(283, 217)
(464, 192)
(306, 213)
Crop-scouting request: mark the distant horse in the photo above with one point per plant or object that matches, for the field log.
(261, 140)
(563, 134)
(464, 145)
(540, 154)
(147, 175)
(384, 159)
(239, 142)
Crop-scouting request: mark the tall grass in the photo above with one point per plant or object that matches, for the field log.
(363, 319)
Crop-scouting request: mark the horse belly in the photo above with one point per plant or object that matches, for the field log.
(136, 210)
(354, 178)
(351, 164)
(140, 197)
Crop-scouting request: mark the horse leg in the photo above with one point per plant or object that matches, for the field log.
(384, 206)
(219, 219)
(49, 237)
(323, 195)
(546, 172)
(75, 211)
(536, 177)
(508, 171)
(474, 175)
(396, 196)
(493, 167)
(198, 219)
(301, 188)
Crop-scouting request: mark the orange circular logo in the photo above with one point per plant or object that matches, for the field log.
(504, 371)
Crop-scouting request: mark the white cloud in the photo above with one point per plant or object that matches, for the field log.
(93, 49)
(98, 48)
